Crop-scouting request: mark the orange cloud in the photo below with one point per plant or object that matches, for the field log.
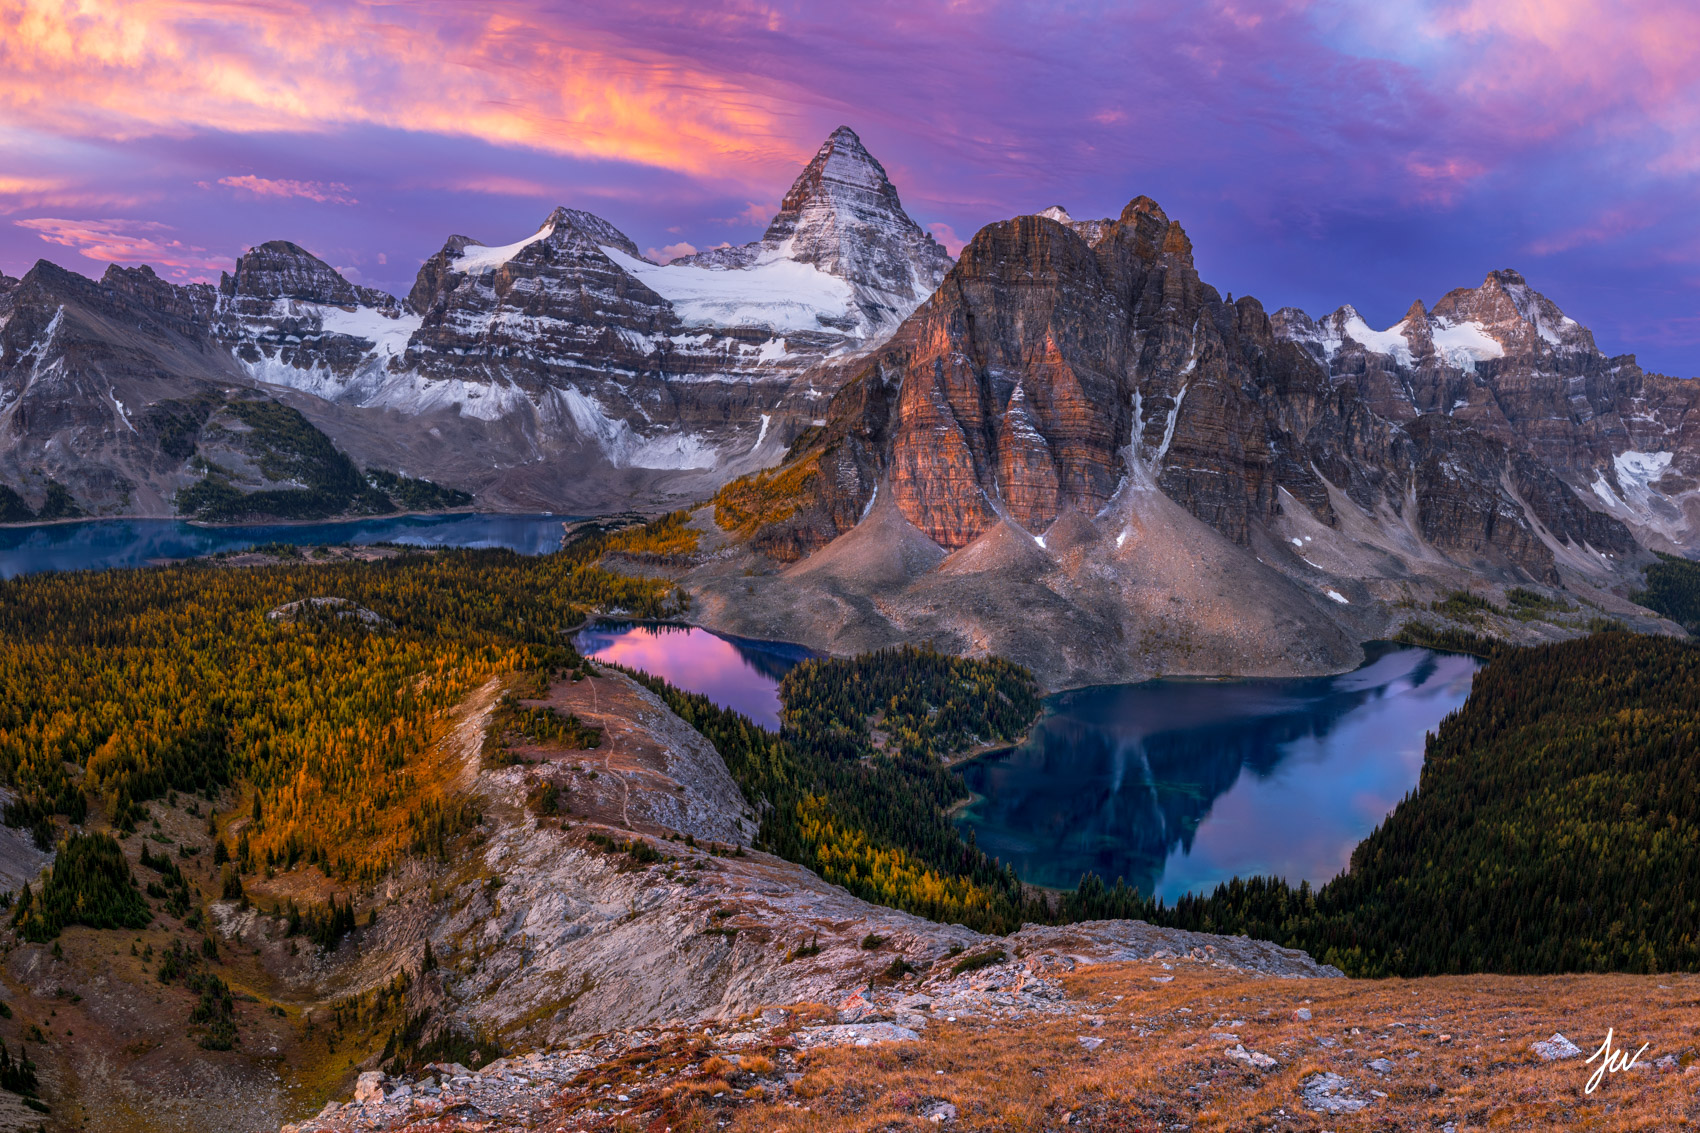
(124, 241)
(331, 192)
(116, 69)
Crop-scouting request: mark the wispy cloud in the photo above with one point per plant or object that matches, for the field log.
(325, 192)
(27, 192)
(125, 241)
(498, 185)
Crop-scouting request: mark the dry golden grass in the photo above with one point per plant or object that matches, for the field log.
(1461, 1056)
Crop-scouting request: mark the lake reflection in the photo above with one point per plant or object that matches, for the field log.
(733, 672)
(1178, 785)
(97, 544)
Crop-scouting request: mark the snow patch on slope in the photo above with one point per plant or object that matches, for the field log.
(475, 259)
(624, 447)
(775, 291)
(1464, 344)
(388, 336)
(1640, 503)
(1390, 341)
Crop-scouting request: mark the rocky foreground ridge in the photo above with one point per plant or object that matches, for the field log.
(1170, 1042)
(633, 903)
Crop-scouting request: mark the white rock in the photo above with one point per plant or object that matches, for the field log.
(856, 1034)
(1089, 1042)
(369, 1087)
(1250, 1057)
(1555, 1048)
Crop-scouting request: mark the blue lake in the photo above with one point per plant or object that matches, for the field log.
(99, 543)
(1178, 785)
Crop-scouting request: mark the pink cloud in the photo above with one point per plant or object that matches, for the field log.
(33, 192)
(1612, 224)
(671, 252)
(497, 185)
(125, 241)
(947, 236)
(325, 192)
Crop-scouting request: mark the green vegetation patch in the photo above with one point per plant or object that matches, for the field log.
(1673, 590)
(1463, 606)
(513, 722)
(58, 504)
(289, 449)
(410, 494)
(90, 884)
(929, 705)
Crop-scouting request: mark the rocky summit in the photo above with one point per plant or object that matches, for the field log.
(562, 370)
(1079, 454)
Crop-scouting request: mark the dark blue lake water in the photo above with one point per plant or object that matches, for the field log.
(1177, 785)
(98, 543)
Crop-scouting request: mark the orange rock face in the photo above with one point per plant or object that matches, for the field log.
(1061, 362)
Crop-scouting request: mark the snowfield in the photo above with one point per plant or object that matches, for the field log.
(774, 292)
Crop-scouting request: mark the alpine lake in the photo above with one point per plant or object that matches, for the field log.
(1172, 785)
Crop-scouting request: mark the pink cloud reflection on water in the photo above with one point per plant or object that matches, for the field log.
(1302, 820)
(695, 660)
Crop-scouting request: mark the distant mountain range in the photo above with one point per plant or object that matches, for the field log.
(1068, 420)
(1079, 455)
(564, 370)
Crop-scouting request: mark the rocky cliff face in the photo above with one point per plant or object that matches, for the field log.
(1062, 363)
(1065, 373)
(89, 372)
(1506, 363)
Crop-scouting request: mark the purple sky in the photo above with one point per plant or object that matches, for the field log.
(1317, 153)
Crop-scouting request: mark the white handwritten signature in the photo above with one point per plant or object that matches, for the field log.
(1614, 1060)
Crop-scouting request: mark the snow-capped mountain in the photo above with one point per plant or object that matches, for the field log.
(562, 369)
(841, 245)
(1506, 362)
(571, 335)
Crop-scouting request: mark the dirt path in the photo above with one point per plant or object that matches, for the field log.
(466, 741)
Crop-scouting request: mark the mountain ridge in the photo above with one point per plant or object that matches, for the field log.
(549, 373)
(1070, 379)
